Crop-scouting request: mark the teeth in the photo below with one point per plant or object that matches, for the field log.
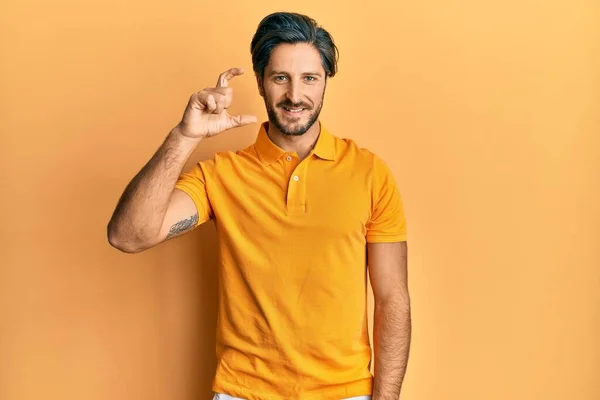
(294, 109)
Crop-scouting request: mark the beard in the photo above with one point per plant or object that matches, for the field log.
(287, 127)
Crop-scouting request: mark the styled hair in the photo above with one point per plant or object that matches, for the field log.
(286, 27)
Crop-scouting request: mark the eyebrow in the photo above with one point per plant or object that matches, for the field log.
(285, 73)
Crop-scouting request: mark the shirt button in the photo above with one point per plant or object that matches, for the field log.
(296, 178)
(289, 158)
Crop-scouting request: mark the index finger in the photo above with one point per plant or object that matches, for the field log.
(226, 76)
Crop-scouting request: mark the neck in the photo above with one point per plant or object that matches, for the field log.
(301, 145)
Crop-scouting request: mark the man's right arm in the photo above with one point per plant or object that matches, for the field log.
(150, 209)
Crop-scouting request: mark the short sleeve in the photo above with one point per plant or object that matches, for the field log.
(194, 183)
(387, 222)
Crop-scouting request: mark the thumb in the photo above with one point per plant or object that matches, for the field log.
(241, 120)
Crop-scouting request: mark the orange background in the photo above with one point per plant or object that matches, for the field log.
(487, 113)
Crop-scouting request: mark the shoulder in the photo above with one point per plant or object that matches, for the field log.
(350, 150)
(226, 160)
(364, 163)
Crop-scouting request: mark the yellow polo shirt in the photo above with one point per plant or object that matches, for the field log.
(292, 278)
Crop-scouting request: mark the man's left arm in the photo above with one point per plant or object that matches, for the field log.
(392, 318)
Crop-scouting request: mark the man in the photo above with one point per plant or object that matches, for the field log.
(296, 213)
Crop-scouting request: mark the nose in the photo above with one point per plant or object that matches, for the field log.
(293, 93)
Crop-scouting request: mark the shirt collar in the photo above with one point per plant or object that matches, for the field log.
(269, 152)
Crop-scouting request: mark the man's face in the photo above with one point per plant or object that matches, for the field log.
(293, 87)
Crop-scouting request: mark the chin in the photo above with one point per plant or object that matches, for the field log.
(294, 129)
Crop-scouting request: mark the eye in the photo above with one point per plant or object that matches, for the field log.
(311, 78)
(280, 78)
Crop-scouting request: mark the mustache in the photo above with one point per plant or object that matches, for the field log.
(289, 104)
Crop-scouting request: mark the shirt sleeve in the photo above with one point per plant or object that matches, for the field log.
(194, 184)
(387, 222)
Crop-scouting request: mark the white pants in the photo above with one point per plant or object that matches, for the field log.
(221, 396)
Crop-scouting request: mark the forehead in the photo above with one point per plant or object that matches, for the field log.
(295, 58)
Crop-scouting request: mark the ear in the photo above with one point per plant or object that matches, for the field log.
(261, 89)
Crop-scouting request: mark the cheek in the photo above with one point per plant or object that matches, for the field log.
(273, 97)
(316, 94)
(272, 90)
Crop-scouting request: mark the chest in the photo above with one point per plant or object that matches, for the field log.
(305, 198)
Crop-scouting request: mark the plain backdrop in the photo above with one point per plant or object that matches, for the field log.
(486, 111)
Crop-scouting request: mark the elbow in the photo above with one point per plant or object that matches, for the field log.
(399, 300)
(122, 242)
(124, 246)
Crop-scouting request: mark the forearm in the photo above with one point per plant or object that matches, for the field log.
(391, 339)
(141, 209)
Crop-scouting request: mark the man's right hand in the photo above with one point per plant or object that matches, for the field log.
(206, 113)
(136, 224)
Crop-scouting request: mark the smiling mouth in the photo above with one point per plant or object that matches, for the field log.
(294, 110)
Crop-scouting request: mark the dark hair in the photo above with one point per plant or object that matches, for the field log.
(285, 27)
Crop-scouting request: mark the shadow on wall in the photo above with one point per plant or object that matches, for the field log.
(189, 311)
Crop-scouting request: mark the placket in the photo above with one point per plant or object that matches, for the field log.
(296, 172)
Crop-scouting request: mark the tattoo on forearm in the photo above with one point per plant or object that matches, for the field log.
(183, 226)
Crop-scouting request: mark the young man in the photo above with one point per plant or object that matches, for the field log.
(296, 213)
